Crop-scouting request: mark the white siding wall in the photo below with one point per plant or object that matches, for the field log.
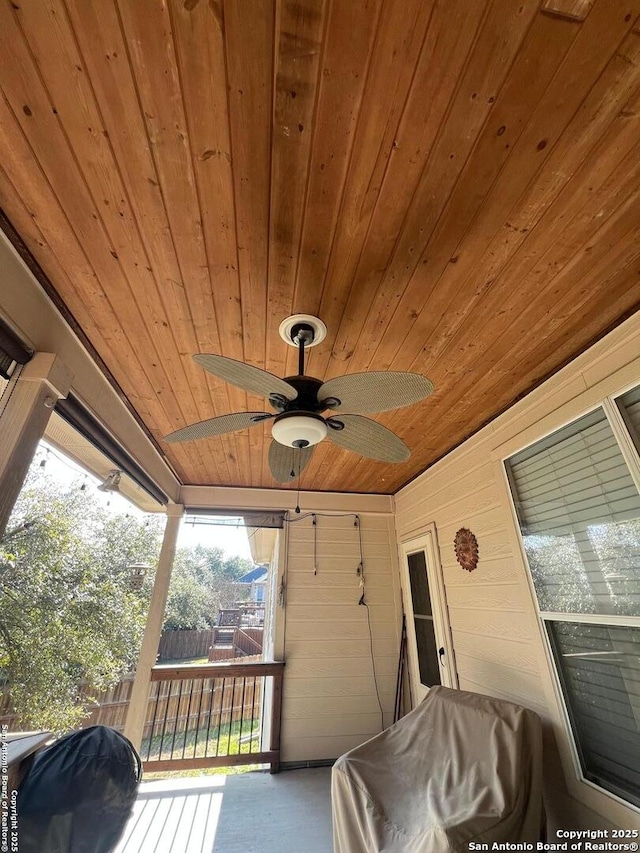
(497, 636)
(330, 702)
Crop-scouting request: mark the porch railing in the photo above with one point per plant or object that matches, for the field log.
(213, 715)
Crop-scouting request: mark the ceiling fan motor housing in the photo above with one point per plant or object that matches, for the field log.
(299, 429)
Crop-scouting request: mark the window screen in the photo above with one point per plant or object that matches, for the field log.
(579, 514)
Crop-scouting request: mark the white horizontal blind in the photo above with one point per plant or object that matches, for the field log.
(600, 670)
(579, 513)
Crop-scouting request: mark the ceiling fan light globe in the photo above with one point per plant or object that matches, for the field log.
(293, 429)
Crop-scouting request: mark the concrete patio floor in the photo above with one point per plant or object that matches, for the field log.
(289, 812)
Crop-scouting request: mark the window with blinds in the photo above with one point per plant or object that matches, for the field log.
(578, 509)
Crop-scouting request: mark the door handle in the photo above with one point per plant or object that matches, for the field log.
(441, 654)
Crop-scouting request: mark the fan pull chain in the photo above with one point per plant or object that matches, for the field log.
(299, 470)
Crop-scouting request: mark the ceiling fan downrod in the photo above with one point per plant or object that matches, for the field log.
(302, 335)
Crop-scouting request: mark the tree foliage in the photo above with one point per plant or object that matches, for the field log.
(202, 582)
(68, 613)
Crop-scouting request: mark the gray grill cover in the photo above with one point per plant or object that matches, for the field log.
(460, 767)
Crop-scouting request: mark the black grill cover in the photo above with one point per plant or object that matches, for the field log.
(79, 794)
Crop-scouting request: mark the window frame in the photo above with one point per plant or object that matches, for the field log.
(631, 456)
(427, 540)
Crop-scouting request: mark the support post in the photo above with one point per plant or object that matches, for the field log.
(137, 711)
(30, 399)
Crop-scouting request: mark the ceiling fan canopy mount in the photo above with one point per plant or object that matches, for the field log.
(298, 402)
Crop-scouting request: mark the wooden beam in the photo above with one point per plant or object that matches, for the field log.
(216, 670)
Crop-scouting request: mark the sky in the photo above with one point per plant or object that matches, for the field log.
(232, 539)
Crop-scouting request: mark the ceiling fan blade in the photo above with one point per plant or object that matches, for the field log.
(367, 438)
(245, 376)
(218, 426)
(287, 463)
(375, 392)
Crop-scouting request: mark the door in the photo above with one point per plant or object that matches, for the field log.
(431, 659)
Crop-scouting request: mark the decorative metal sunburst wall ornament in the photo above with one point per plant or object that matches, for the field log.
(466, 548)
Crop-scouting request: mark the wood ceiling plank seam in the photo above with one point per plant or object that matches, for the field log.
(121, 324)
(622, 309)
(278, 305)
(467, 391)
(250, 104)
(452, 99)
(441, 258)
(359, 202)
(401, 296)
(536, 270)
(606, 285)
(613, 313)
(383, 239)
(46, 83)
(351, 31)
(533, 228)
(386, 244)
(359, 298)
(504, 184)
(43, 248)
(183, 305)
(244, 440)
(451, 376)
(165, 260)
(313, 467)
(153, 262)
(47, 98)
(632, 219)
(196, 282)
(534, 323)
(251, 215)
(27, 225)
(297, 304)
(612, 309)
(28, 219)
(187, 77)
(358, 143)
(24, 189)
(298, 61)
(210, 397)
(133, 157)
(235, 398)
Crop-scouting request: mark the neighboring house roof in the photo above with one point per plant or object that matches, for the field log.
(259, 573)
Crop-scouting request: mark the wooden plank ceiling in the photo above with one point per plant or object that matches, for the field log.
(452, 186)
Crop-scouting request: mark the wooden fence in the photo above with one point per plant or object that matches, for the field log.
(177, 645)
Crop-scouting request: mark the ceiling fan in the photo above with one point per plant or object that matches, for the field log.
(298, 401)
